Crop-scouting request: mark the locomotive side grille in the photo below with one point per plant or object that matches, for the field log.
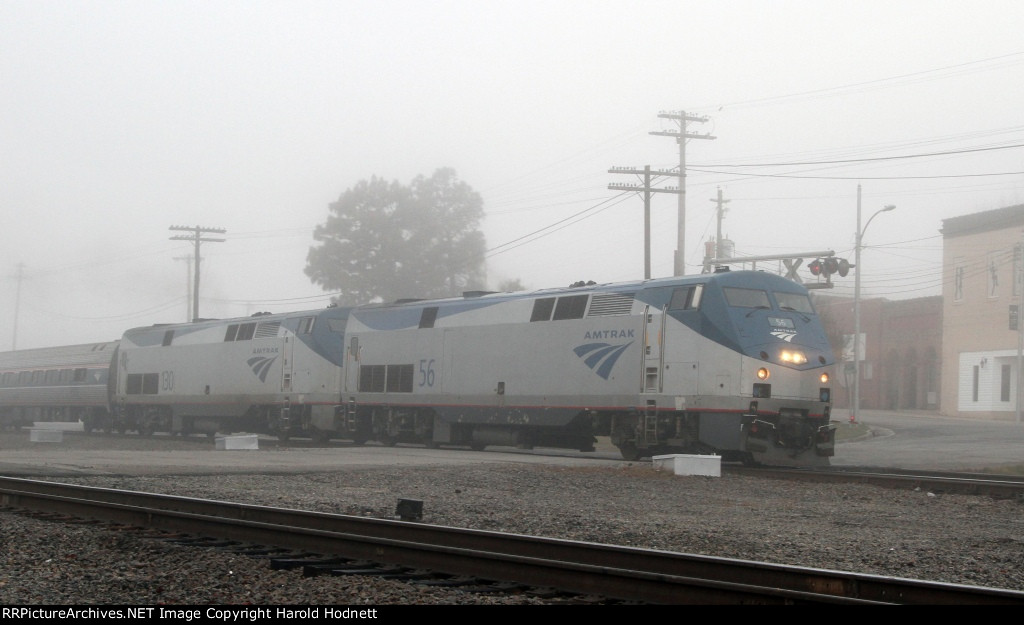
(607, 304)
(267, 330)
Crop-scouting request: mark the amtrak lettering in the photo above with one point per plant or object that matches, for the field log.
(608, 334)
(264, 350)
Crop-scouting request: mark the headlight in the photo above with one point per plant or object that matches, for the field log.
(793, 357)
(824, 378)
(762, 374)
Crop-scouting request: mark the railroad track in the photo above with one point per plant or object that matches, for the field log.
(340, 544)
(990, 485)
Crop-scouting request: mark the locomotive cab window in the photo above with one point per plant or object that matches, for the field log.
(794, 301)
(428, 317)
(747, 298)
(306, 325)
(686, 298)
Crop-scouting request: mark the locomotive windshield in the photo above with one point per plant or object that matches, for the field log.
(747, 298)
(794, 301)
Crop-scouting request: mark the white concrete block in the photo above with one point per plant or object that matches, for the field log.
(66, 426)
(687, 464)
(243, 441)
(46, 436)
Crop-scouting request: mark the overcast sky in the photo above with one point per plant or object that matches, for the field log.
(122, 119)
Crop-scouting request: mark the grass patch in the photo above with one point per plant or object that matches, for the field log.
(846, 431)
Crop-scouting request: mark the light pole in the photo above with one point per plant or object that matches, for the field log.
(855, 417)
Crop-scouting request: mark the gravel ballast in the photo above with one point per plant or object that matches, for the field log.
(851, 527)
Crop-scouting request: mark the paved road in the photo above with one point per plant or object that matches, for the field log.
(927, 440)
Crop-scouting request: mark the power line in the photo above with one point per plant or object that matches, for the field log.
(868, 160)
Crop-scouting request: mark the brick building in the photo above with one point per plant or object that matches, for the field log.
(901, 359)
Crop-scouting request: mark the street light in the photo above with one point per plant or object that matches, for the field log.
(855, 417)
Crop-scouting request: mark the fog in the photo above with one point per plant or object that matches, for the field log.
(122, 119)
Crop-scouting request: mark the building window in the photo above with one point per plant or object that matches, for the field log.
(993, 275)
(1017, 269)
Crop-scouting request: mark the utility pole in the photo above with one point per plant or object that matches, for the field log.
(681, 136)
(647, 191)
(196, 237)
(17, 307)
(720, 211)
(188, 285)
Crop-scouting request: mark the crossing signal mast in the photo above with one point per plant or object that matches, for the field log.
(824, 265)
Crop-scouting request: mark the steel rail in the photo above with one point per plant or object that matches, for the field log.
(996, 486)
(625, 573)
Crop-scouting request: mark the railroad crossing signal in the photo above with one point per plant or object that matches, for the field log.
(828, 266)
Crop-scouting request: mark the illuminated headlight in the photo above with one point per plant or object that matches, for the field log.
(824, 378)
(793, 357)
(762, 374)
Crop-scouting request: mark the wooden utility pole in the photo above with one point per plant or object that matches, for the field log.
(647, 190)
(196, 237)
(681, 136)
(188, 286)
(720, 215)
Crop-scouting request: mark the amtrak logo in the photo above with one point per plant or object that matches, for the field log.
(601, 357)
(261, 366)
(785, 336)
